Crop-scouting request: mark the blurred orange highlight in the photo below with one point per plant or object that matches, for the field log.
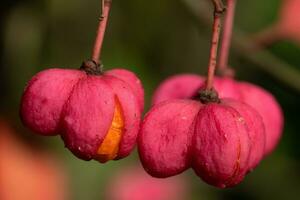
(26, 174)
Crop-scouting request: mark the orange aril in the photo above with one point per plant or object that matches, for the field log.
(109, 148)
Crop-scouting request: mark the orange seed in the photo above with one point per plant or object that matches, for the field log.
(109, 148)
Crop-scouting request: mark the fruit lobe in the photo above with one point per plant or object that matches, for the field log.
(131, 113)
(87, 117)
(44, 98)
(132, 80)
(165, 137)
(267, 106)
(256, 131)
(221, 147)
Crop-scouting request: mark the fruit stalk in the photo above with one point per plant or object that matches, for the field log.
(106, 5)
(262, 59)
(227, 35)
(267, 37)
(219, 9)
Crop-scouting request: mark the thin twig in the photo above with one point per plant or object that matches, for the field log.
(226, 38)
(268, 36)
(106, 4)
(263, 59)
(217, 23)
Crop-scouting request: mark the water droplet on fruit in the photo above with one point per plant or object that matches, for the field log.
(240, 119)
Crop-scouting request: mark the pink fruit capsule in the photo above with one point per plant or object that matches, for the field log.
(256, 131)
(267, 106)
(214, 138)
(221, 145)
(44, 98)
(165, 137)
(97, 115)
(260, 99)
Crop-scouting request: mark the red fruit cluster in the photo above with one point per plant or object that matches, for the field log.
(221, 139)
(97, 115)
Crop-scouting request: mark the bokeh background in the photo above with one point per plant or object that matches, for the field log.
(155, 39)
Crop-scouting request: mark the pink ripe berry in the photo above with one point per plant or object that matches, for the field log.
(268, 108)
(221, 145)
(44, 98)
(165, 137)
(135, 184)
(256, 131)
(227, 142)
(97, 115)
(222, 141)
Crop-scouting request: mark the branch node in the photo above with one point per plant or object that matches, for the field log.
(220, 8)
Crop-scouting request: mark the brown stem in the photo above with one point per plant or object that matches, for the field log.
(262, 59)
(219, 9)
(219, 6)
(226, 38)
(268, 36)
(106, 4)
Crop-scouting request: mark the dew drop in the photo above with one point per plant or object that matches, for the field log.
(240, 119)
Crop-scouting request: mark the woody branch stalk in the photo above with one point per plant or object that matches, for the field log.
(106, 5)
(226, 38)
(262, 59)
(218, 11)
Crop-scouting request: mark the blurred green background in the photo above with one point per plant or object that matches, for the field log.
(154, 39)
